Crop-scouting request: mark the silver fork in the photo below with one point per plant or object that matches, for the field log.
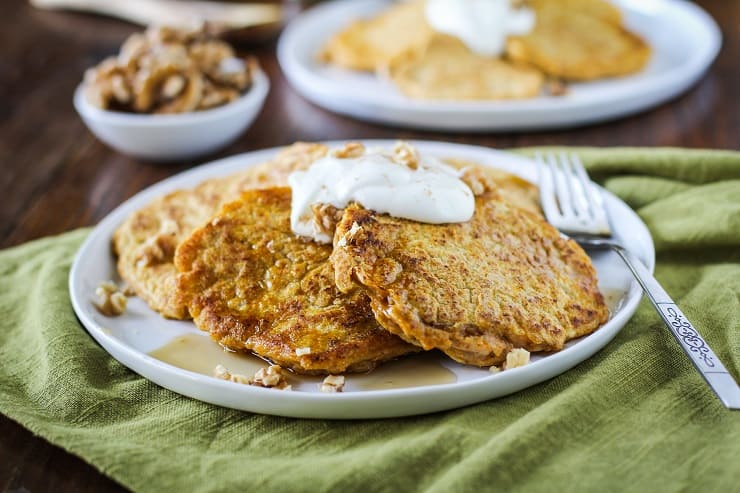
(574, 205)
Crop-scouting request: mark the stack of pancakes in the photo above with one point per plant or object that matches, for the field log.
(572, 40)
(224, 254)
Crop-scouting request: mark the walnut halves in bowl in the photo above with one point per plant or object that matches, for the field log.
(167, 70)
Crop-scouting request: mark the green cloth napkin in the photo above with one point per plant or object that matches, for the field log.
(635, 417)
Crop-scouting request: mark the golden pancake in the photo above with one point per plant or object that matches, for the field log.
(145, 242)
(446, 69)
(599, 9)
(583, 43)
(255, 286)
(506, 279)
(368, 43)
(515, 190)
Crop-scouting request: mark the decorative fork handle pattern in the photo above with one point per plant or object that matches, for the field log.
(695, 347)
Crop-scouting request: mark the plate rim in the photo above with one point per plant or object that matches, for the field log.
(488, 115)
(282, 403)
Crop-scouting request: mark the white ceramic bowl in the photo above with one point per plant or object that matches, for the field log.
(179, 136)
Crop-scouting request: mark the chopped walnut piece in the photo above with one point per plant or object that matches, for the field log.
(189, 99)
(169, 70)
(474, 178)
(173, 85)
(155, 250)
(224, 374)
(159, 247)
(104, 70)
(107, 287)
(209, 55)
(332, 383)
(217, 96)
(120, 89)
(132, 50)
(406, 154)
(271, 377)
(326, 217)
(172, 35)
(221, 372)
(515, 358)
(232, 72)
(350, 150)
(111, 301)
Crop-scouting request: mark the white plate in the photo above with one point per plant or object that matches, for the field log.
(130, 337)
(685, 40)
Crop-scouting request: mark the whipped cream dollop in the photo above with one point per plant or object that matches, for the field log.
(482, 25)
(399, 182)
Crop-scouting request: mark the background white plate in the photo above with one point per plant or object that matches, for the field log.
(685, 40)
(130, 337)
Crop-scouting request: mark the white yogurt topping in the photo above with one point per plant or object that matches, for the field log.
(432, 193)
(482, 25)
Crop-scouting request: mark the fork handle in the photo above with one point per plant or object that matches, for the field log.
(695, 347)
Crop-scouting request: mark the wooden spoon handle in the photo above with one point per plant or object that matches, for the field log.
(173, 13)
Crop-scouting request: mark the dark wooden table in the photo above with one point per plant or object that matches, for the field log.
(56, 176)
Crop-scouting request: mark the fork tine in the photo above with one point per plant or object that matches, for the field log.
(585, 184)
(562, 191)
(547, 191)
(594, 200)
(577, 188)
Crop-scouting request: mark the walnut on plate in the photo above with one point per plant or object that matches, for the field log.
(169, 70)
(332, 383)
(272, 377)
(112, 301)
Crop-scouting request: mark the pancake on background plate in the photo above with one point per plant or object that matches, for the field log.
(579, 40)
(572, 40)
(598, 9)
(368, 43)
(444, 68)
